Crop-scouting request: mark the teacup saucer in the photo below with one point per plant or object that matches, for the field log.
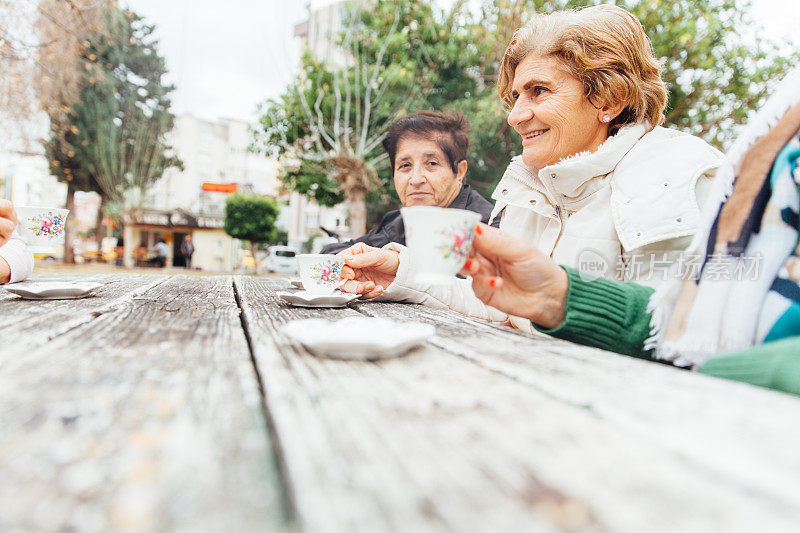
(306, 299)
(52, 290)
(359, 337)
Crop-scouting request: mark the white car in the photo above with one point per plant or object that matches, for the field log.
(282, 259)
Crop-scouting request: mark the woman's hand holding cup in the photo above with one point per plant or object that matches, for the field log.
(369, 270)
(513, 276)
(8, 221)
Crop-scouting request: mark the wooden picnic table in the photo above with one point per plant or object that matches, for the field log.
(175, 403)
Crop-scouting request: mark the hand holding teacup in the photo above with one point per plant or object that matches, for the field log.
(8, 221)
(515, 277)
(368, 271)
(321, 274)
(438, 240)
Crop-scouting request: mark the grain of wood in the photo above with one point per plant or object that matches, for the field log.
(27, 324)
(731, 432)
(688, 415)
(458, 437)
(146, 418)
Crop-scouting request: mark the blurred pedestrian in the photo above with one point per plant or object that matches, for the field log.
(119, 251)
(187, 250)
(162, 251)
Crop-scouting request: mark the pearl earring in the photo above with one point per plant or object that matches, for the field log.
(606, 118)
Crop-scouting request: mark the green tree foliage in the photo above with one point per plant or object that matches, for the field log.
(111, 139)
(252, 218)
(334, 117)
(717, 66)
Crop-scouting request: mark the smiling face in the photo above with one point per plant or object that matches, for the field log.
(422, 174)
(552, 113)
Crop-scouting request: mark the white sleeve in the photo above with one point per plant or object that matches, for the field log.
(19, 258)
(456, 295)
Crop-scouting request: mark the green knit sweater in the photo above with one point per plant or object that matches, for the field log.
(613, 316)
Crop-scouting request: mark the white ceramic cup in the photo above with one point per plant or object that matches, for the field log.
(42, 228)
(320, 273)
(439, 240)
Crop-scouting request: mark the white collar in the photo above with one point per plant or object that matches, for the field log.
(572, 173)
(569, 177)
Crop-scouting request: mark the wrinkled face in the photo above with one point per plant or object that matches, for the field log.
(552, 113)
(422, 174)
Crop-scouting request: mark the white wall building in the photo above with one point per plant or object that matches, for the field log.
(191, 201)
(216, 153)
(26, 180)
(320, 30)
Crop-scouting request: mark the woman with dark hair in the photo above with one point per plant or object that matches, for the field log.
(428, 154)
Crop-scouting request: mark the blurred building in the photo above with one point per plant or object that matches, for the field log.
(216, 162)
(25, 179)
(191, 201)
(320, 29)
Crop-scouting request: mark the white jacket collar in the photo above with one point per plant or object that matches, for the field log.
(570, 178)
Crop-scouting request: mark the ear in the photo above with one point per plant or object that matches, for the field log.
(612, 109)
(461, 171)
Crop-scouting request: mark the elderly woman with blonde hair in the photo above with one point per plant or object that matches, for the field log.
(599, 185)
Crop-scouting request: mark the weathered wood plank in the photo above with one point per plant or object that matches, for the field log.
(146, 418)
(27, 324)
(441, 441)
(686, 414)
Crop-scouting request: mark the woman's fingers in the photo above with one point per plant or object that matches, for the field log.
(357, 248)
(357, 287)
(6, 229)
(494, 243)
(7, 210)
(347, 273)
(374, 293)
(478, 264)
(367, 289)
(371, 259)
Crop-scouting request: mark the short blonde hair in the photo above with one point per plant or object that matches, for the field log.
(603, 46)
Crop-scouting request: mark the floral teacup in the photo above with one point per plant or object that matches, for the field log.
(320, 273)
(42, 228)
(439, 239)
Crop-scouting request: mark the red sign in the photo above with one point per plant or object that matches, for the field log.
(219, 187)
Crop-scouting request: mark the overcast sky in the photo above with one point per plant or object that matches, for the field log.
(226, 57)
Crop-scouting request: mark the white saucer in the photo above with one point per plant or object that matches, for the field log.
(306, 299)
(52, 290)
(358, 337)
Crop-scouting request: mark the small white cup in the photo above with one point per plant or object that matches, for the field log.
(439, 240)
(320, 273)
(42, 228)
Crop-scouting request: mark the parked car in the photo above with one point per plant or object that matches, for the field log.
(282, 259)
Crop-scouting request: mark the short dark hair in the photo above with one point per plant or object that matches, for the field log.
(450, 131)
